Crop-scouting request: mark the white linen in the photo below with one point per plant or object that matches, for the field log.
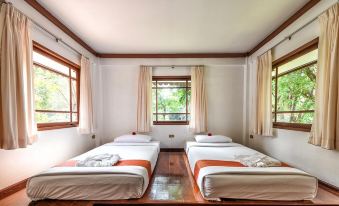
(97, 183)
(257, 160)
(212, 139)
(247, 188)
(100, 160)
(197, 144)
(133, 138)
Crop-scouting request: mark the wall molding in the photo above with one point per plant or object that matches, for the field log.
(182, 55)
(329, 187)
(310, 4)
(7, 191)
(43, 11)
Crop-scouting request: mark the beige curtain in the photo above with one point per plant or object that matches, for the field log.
(263, 120)
(252, 104)
(17, 126)
(144, 104)
(325, 128)
(86, 120)
(198, 122)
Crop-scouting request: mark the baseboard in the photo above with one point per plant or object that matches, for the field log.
(13, 189)
(172, 150)
(329, 187)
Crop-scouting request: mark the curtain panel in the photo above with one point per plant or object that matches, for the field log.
(17, 125)
(263, 120)
(252, 105)
(325, 128)
(144, 103)
(198, 121)
(86, 120)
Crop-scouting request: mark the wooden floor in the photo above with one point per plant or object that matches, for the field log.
(172, 184)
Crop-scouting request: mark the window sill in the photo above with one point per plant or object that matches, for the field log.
(292, 126)
(54, 126)
(171, 123)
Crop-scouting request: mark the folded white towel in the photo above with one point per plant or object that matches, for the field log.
(100, 160)
(257, 160)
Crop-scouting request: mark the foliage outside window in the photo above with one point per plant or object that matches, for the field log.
(171, 100)
(56, 89)
(293, 92)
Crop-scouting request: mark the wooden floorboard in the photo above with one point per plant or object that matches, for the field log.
(172, 183)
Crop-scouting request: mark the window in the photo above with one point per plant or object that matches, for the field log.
(56, 89)
(171, 100)
(293, 88)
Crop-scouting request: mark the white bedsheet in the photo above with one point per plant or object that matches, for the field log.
(269, 183)
(97, 183)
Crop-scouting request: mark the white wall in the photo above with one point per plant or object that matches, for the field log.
(53, 146)
(225, 87)
(292, 146)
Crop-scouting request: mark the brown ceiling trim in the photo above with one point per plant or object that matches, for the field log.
(283, 26)
(184, 55)
(56, 22)
(60, 25)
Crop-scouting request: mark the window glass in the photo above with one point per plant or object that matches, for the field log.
(50, 63)
(302, 60)
(55, 91)
(171, 100)
(295, 88)
(51, 90)
(50, 117)
(74, 95)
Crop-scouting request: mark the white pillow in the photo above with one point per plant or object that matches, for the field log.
(212, 139)
(133, 138)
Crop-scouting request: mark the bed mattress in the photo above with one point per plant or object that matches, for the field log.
(98, 183)
(255, 183)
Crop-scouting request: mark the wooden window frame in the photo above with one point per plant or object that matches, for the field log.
(170, 78)
(306, 48)
(72, 66)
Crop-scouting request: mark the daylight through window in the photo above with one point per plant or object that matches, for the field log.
(171, 99)
(56, 89)
(293, 91)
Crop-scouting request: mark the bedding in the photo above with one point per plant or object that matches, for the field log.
(133, 138)
(100, 160)
(212, 139)
(219, 174)
(127, 179)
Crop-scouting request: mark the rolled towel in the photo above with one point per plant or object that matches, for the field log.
(100, 160)
(258, 160)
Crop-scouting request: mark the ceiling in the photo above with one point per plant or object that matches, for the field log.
(172, 26)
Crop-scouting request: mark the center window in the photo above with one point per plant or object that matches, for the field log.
(171, 100)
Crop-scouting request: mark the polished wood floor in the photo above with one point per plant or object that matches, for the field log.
(172, 184)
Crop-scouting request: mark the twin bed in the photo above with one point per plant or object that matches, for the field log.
(214, 166)
(219, 174)
(128, 179)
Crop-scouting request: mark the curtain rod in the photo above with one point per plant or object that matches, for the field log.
(55, 37)
(289, 37)
(173, 66)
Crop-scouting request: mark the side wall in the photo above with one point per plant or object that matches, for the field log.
(225, 86)
(291, 146)
(53, 146)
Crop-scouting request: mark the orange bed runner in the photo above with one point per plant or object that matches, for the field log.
(207, 163)
(143, 163)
